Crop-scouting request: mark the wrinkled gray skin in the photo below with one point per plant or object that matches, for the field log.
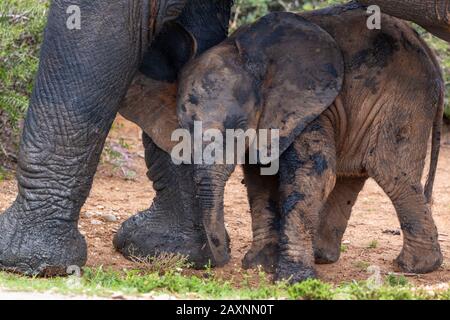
(433, 15)
(83, 76)
(347, 104)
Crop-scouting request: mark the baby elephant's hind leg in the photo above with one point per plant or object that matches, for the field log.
(334, 217)
(397, 164)
(421, 251)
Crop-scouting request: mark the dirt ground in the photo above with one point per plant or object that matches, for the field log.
(121, 189)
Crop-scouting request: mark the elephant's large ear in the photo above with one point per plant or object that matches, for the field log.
(151, 105)
(302, 75)
(151, 99)
(170, 51)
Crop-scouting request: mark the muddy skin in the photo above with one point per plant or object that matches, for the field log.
(170, 225)
(333, 219)
(71, 111)
(263, 198)
(346, 131)
(237, 71)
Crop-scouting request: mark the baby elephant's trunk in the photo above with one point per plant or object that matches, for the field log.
(210, 184)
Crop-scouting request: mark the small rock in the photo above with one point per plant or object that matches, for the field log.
(96, 222)
(89, 214)
(109, 217)
(392, 232)
(346, 242)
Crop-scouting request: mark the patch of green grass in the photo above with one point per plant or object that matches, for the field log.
(162, 262)
(372, 244)
(101, 282)
(110, 155)
(124, 144)
(343, 248)
(3, 174)
(312, 289)
(21, 33)
(396, 280)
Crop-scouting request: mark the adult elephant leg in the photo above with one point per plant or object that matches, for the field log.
(433, 15)
(264, 207)
(333, 219)
(171, 225)
(82, 77)
(307, 176)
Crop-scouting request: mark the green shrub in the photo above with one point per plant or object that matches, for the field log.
(395, 281)
(21, 33)
(311, 289)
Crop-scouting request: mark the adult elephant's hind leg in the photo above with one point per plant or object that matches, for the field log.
(333, 219)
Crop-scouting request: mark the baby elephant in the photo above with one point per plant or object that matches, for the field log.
(350, 103)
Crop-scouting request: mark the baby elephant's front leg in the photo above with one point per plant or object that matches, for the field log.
(264, 207)
(307, 176)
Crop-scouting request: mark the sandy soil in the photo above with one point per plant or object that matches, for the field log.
(119, 195)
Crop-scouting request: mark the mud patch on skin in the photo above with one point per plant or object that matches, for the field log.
(372, 85)
(266, 258)
(193, 100)
(290, 162)
(291, 201)
(331, 70)
(294, 272)
(314, 127)
(320, 163)
(378, 55)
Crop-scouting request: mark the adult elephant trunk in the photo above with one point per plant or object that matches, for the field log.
(433, 15)
(83, 75)
(210, 181)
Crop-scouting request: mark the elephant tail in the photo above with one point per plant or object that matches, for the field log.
(435, 147)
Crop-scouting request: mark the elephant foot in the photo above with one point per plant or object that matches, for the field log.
(326, 253)
(419, 261)
(266, 257)
(294, 272)
(51, 247)
(148, 234)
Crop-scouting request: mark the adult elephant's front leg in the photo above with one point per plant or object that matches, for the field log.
(83, 76)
